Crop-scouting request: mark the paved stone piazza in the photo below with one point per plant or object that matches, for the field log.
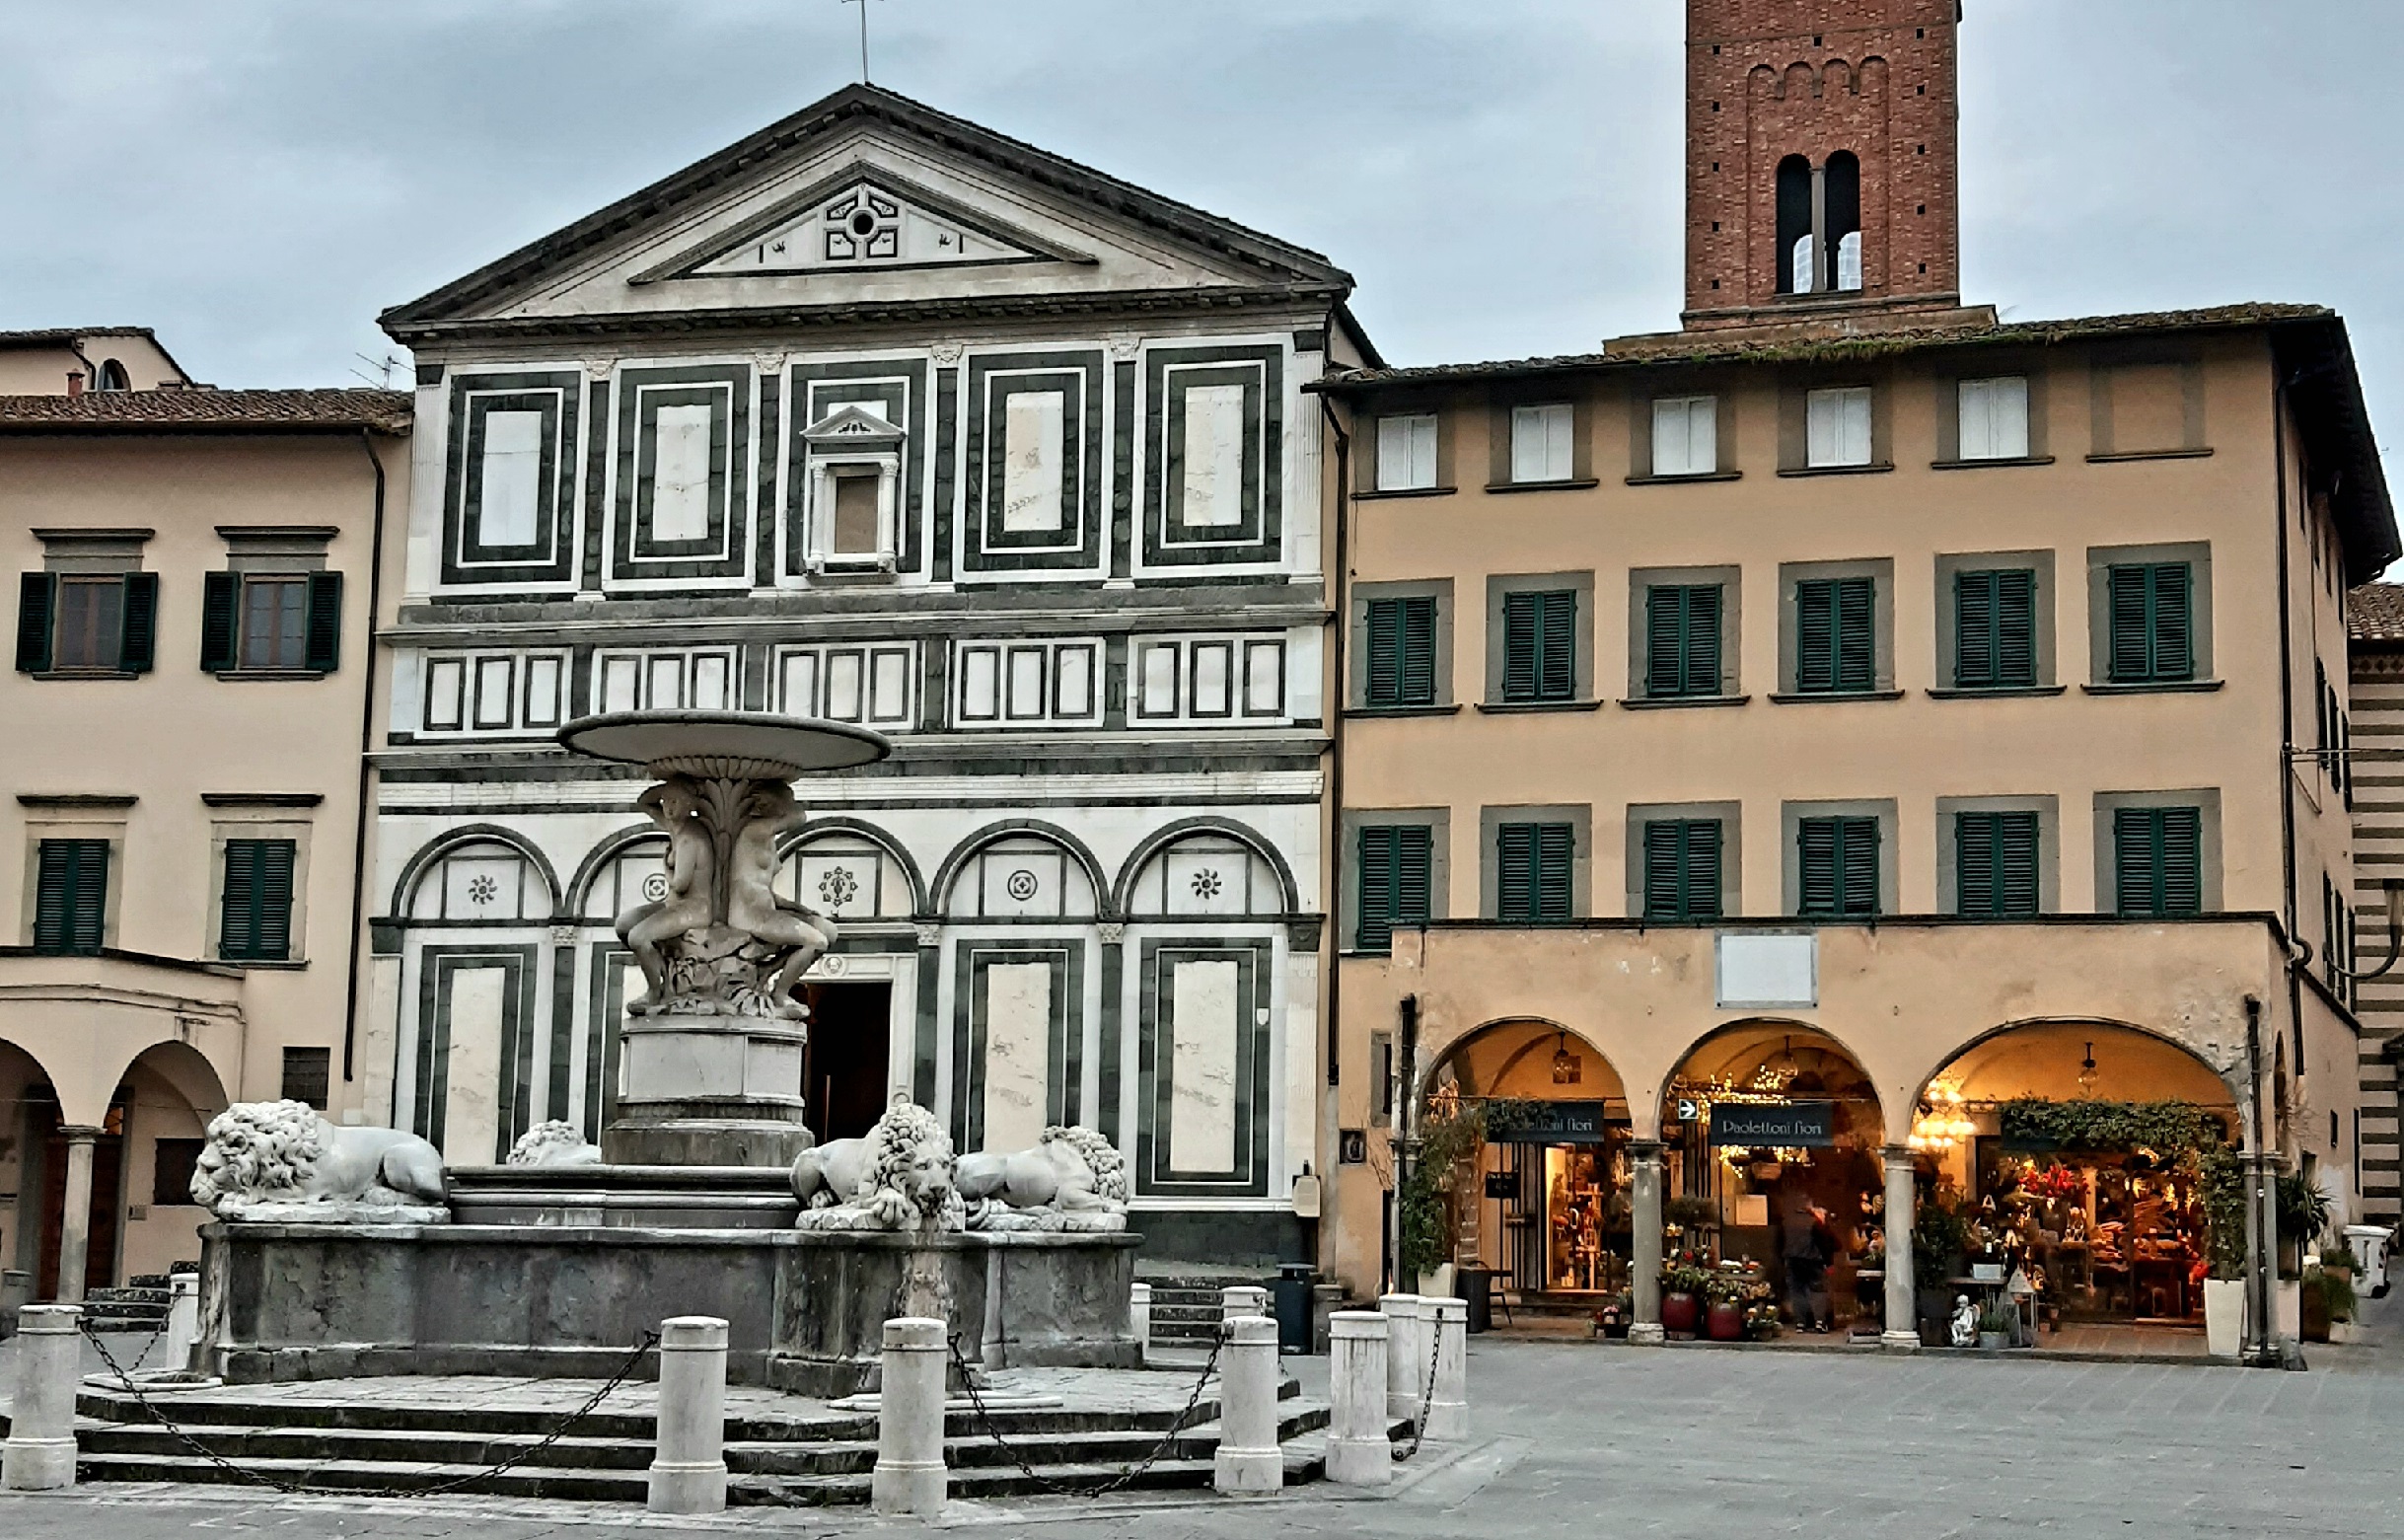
(1576, 1439)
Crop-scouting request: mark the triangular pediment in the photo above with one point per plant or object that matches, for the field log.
(852, 423)
(860, 222)
(868, 204)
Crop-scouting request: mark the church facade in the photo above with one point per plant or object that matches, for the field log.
(880, 418)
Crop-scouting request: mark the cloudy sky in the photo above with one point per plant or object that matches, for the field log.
(257, 178)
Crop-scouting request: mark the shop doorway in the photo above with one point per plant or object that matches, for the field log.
(1547, 1208)
(846, 1067)
(2070, 1154)
(1769, 1136)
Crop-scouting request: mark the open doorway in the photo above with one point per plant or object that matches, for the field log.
(108, 1164)
(845, 1070)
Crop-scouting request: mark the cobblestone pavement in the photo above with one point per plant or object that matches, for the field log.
(1577, 1439)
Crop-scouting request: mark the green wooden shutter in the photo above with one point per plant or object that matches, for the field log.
(36, 597)
(1402, 652)
(1856, 635)
(2016, 629)
(1681, 639)
(255, 923)
(2135, 860)
(1974, 865)
(2160, 852)
(1701, 672)
(1515, 872)
(1996, 864)
(325, 645)
(220, 597)
(1374, 929)
(1815, 636)
(1556, 854)
(2181, 864)
(1702, 865)
(2152, 623)
(2172, 632)
(1974, 639)
(1682, 869)
(1860, 849)
(1837, 867)
(1522, 615)
(1557, 646)
(1413, 874)
(1816, 865)
(1418, 668)
(71, 896)
(138, 640)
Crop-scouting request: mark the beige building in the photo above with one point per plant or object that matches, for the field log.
(70, 360)
(184, 772)
(1772, 751)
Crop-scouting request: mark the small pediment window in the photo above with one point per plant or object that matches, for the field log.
(853, 491)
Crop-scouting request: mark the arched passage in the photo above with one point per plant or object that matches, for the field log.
(1547, 1206)
(2071, 1149)
(1771, 1132)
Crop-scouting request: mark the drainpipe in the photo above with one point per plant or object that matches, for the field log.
(2259, 1346)
(1339, 601)
(1405, 1124)
(367, 729)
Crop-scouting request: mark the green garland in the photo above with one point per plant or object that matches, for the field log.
(2171, 1129)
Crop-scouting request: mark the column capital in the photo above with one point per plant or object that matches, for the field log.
(79, 1133)
(1645, 1149)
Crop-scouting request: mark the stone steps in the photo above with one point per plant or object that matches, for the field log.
(1188, 1309)
(129, 1309)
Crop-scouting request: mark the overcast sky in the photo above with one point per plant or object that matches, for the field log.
(257, 178)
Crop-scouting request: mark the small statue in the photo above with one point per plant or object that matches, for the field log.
(1965, 1322)
(752, 904)
(899, 1178)
(693, 859)
(553, 1144)
(1073, 1180)
(279, 1162)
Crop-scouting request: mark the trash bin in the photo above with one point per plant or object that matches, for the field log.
(1476, 1286)
(2370, 1244)
(1290, 1297)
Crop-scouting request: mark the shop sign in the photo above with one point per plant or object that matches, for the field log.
(1785, 1125)
(1549, 1122)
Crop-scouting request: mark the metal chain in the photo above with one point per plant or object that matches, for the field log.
(303, 1489)
(1126, 1473)
(1418, 1425)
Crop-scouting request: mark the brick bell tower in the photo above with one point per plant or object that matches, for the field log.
(1822, 161)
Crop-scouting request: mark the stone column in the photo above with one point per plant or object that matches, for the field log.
(1448, 1406)
(74, 1227)
(1406, 1358)
(1902, 1333)
(1357, 1451)
(1248, 1459)
(1242, 1299)
(910, 1476)
(688, 1467)
(182, 1320)
(40, 1455)
(1644, 1241)
(1139, 1318)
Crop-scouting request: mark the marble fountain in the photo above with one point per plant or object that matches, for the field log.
(339, 1252)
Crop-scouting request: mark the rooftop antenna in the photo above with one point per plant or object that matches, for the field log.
(383, 367)
(863, 5)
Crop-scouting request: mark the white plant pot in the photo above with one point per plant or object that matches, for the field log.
(2224, 1317)
(2343, 1331)
(1438, 1284)
(2290, 1309)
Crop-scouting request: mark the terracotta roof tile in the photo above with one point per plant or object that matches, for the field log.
(207, 411)
(2374, 611)
(52, 337)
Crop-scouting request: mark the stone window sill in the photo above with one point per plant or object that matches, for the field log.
(2167, 687)
(1981, 464)
(1673, 480)
(1573, 485)
(2125, 456)
(1874, 468)
(253, 675)
(66, 673)
(1401, 710)
(1680, 702)
(1815, 696)
(1405, 491)
(1528, 707)
(1999, 693)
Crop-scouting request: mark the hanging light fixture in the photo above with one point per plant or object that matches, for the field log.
(1566, 1067)
(2086, 1073)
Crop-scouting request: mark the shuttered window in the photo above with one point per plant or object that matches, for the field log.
(1532, 873)
(1402, 652)
(1681, 639)
(1837, 865)
(2152, 623)
(1995, 629)
(71, 896)
(256, 909)
(1836, 635)
(1996, 864)
(1396, 863)
(1540, 646)
(78, 624)
(1682, 869)
(271, 624)
(2159, 860)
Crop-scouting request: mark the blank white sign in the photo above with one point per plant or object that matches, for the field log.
(1768, 970)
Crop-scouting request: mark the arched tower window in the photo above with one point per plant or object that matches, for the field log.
(1797, 250)
(1843, 220)
(113, 377)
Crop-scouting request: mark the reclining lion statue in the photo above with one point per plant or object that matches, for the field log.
(553, 1144)
(1074, 1179)
(280, 1162)
(898, 1178)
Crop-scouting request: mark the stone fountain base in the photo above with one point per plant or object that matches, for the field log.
(805, 1310)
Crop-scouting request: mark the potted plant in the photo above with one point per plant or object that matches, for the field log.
(1994, 1328)
(2303, 1213)
(2223, 1184)
(1938, 1235)
(1725, 1315)
(1611, 1321)
(1683, 1284)
(2337, 1299)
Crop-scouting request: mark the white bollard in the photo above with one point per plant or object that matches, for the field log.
(40, 1455)
(1242, 1299)
(1448, 1408)
(688, 1465)
(1406, 1358)
(910, 1476)
(1139, 1320)
(1358, 1454)
(1249, 1459)
(182, 1320)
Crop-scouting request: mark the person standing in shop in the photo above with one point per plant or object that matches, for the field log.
(1808, 1244)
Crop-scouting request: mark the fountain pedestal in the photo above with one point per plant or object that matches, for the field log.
(714, 1091)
